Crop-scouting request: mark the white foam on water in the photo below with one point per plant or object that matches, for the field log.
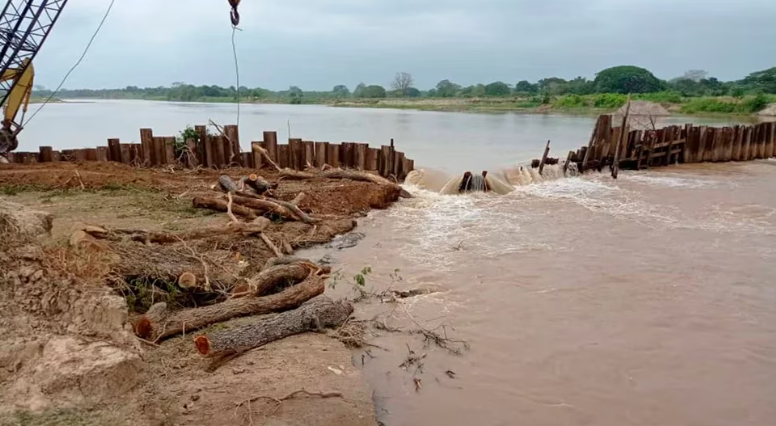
(675, 181)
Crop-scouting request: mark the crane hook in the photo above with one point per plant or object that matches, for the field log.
(234, 15)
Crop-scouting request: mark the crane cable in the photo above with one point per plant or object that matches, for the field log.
(236, 70)
(83, 55)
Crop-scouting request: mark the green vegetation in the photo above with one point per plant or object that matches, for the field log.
(693, 92)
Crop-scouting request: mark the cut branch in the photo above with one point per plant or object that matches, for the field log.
(165, 323)
(286, 209)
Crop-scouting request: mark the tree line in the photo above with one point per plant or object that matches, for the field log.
(615, 80)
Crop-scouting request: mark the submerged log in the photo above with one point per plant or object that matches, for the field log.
(162, 323)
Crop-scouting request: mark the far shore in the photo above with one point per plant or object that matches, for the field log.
(473, 105)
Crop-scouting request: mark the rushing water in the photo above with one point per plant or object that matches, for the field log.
(649, 300)
(452, 141)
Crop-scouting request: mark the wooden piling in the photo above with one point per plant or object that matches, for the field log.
(761, 137)
(398, 168)
(333, 155)
(256, 148)
(146, 141)
(114, 148)
(169, 150)
(590, 143)
(385, 162)
(360, 156)
(271, 140)
(232, 133)
(102, 153)
(283, 156)
(544, 157)
(321, 151)
(708, 144)
(295, 153)
(735, 144)
(372, 156)
(309, 154)
(746, 147)
(46, 154)
(347, 154)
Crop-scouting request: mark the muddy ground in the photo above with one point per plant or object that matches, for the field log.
(69, 353)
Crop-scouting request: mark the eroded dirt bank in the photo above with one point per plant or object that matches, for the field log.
(70, 302)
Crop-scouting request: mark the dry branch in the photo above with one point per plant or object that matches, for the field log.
(313, 315)
(144, 236)
(221, 206)
(165, 323)
(269, 278)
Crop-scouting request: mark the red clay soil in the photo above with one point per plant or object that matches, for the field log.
(333, 197)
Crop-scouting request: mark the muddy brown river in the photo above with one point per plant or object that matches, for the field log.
(649, 300)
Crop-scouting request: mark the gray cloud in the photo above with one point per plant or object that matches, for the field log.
(316, 44)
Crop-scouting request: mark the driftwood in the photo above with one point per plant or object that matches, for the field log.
(313, 315)
(159, 237)
(221, 206)
(159, 322)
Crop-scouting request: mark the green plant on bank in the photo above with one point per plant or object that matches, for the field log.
(141, 293)
(746, 105)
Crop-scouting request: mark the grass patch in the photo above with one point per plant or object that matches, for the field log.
(16, 189)
(58, 417)
(747, 105)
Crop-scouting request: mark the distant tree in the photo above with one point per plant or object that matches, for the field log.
(359, 91)
(372, 92)
(579, 86)
(695, 75)
(762, 81)
(432, 93)
(447, 89)
(413, 92)
(497, 88)
(627, 79)
(524, 87)
(553, 86)
(712, 87)
(340, 91)
(401, 83)
(295, 95)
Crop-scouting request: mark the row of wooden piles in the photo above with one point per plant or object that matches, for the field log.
(644, 148)
(223, 150)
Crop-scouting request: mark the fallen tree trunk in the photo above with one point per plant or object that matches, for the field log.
(344, 174)
(271, 277)
(159, 237)
(283, 208)
(163, 323)
(220, 206)
(312, 315)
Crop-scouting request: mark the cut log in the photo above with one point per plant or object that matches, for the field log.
(164, 323)
(187, 280)
(144, 236)
(266, 280)
(296, 175)
(288, 210)
(221, 206)
(313, 315)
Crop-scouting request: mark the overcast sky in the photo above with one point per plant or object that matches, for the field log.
(316, 44)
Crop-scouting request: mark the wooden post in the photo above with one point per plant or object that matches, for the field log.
(91, 154)
(46, 154)
(283, 156)
(544, 157)
(347, 154)
(233, 133)
(770, 148)
(102, 153)
(169, 150)
(729, 140)
(412, 165)
(398, 170)
(589, 144)
(247, 159)
(623, 133)
(309, 154)
(114, 148)
(385, 162)
(332, 156)
(230, 157)
(295, 153)
(708, 144)
(716, 145)
(361, 149)
(271, 139)
(745, 136)
(220, 142)
(760, 150)
(321, 150)
(372, 157)
(258, 160)
(56, 156)
(735, 143)
(203, 154)
(568, 161)
(146, 140)
(209, 144)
